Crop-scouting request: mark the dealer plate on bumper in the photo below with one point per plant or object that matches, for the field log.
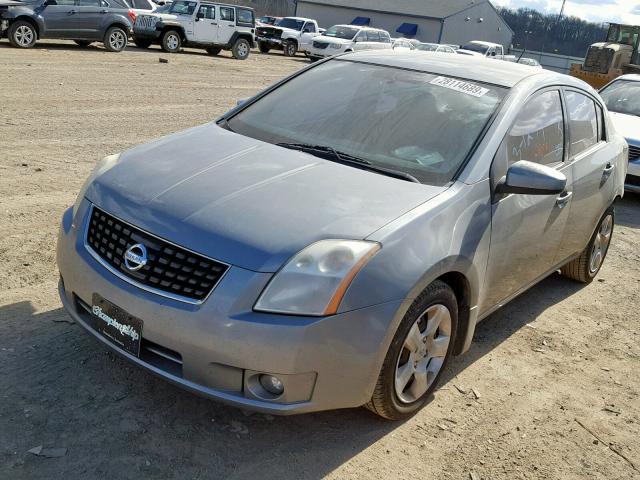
(120, 328)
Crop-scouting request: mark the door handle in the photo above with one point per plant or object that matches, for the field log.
(609, 168)
(213, 23)
(104, 11)
(72, 12)
(563, 199)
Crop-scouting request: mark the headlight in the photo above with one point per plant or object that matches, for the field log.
(314, 281)
(337, 46)
(102, 166)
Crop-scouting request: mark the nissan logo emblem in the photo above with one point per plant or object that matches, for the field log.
(135, 257)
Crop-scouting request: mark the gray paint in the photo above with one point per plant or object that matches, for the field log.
(500, 247)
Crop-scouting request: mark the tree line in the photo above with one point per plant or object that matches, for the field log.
(542, 32)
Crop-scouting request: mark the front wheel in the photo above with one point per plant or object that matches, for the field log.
(22, 34)
(585, 268)
(171, 41)
(241, 49)
(290, 49)
(115, 40)
(418, 354)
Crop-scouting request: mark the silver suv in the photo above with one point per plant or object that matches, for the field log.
(333, 241)
(212, 26)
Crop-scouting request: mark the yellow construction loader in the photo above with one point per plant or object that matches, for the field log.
(610, 59)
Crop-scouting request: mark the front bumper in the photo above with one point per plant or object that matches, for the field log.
(632, 181)
(273, 42)
(222, 344)
(323, 52)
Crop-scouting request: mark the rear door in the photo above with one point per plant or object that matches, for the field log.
(226, 24)
(526, 230)
(591, 160)
(88, 18)
(205, 26)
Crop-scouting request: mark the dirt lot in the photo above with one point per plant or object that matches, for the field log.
(550, 388)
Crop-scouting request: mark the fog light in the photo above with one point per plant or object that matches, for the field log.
(272, 384)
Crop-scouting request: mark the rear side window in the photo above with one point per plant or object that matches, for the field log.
(385, 37)
(142, 4)
(583, 122)
(245, 17)
(538, 133)
(226, 13)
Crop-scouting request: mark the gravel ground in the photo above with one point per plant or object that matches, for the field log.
(550, 388)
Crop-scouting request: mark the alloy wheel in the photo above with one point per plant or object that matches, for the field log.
(172, 42)
(423, 353)
(243, 49)
(24, 36)
(600, 244)
(117, 40)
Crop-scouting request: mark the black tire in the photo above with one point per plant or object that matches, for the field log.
(241, 49)
(83, 43)
(171, 41)
(264, 47)
(22, 34)
(142, 43)
(581, 269)
(115, 40)
(385, 401)
(214, 51)
(290, 48)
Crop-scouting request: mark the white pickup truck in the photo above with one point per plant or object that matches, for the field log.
(290, 34)
(478, 48)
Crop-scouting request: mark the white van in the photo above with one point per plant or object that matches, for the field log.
(348, 38)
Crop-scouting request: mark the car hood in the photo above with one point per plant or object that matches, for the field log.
(627, 125)
(471, 53)
(246, 202)
(340, 41)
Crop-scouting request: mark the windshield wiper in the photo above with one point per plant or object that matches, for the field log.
(330, 153)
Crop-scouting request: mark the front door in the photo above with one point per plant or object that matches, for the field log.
(590, 158)
(205, 27)
(227, 24)
(526, 230)
(58, 19)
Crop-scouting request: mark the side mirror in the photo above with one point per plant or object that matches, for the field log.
(531, 179)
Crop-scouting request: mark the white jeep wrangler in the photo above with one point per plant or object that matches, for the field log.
(198, 24)
(291, 34)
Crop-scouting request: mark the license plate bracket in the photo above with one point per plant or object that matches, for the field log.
(116, 325)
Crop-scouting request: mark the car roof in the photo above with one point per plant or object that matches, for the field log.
(496, 72)
(634, 77)
(486, 44)
(300, 18)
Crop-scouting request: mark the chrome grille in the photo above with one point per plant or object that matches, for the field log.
(170, 270)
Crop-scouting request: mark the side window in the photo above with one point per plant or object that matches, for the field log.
(226, 13)
(245, 17)
(142, 4)
(309, 27)
(207, 11)
(86, 3)
(602, 134)
(385, 37)
(362, 36)
(373, 36)
(538, 133)
(583, 122)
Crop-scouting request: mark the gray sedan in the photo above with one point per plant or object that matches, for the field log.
(334, 241)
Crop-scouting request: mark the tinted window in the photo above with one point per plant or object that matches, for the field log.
(226, 13)
(538, 133)
(290, 23)
(207, 11)
(245, 16)
(583, 122)
(415, 122)
(183, 8)
(142, 4)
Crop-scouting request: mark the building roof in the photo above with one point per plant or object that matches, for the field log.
(417, 8)
(496, 72)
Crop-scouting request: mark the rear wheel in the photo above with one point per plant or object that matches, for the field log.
(22, 34)
(141, 43)
(171, 41)
(585, 268)
(264, 47)
(290, 48)
(241, 49)
(214, 50)
(115, 40)
(83, 43)
(418, 354)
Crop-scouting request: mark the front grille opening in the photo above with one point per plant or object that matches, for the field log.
(634, 152)
(170, 269)
(151, 353)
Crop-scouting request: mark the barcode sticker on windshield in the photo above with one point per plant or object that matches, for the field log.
(460, 86)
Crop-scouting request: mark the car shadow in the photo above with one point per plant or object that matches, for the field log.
(628, 210)
(82, 395)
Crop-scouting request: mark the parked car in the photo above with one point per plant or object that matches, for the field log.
(402, 44)
(142, 6)
(348, 38)
(289, 34)
(530, 62)
(83, 21)
(267, 20)
(478, 48)
(622, 97)
(435, 47)
(303, 252)
(198, 24)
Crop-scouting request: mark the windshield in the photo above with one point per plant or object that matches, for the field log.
(622, 96)
(474, 47)
(346, 33)
(427, 47)
(183, 8)
(290, 23)
(417, 123)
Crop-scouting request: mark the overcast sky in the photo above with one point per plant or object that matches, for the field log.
(595, 10)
